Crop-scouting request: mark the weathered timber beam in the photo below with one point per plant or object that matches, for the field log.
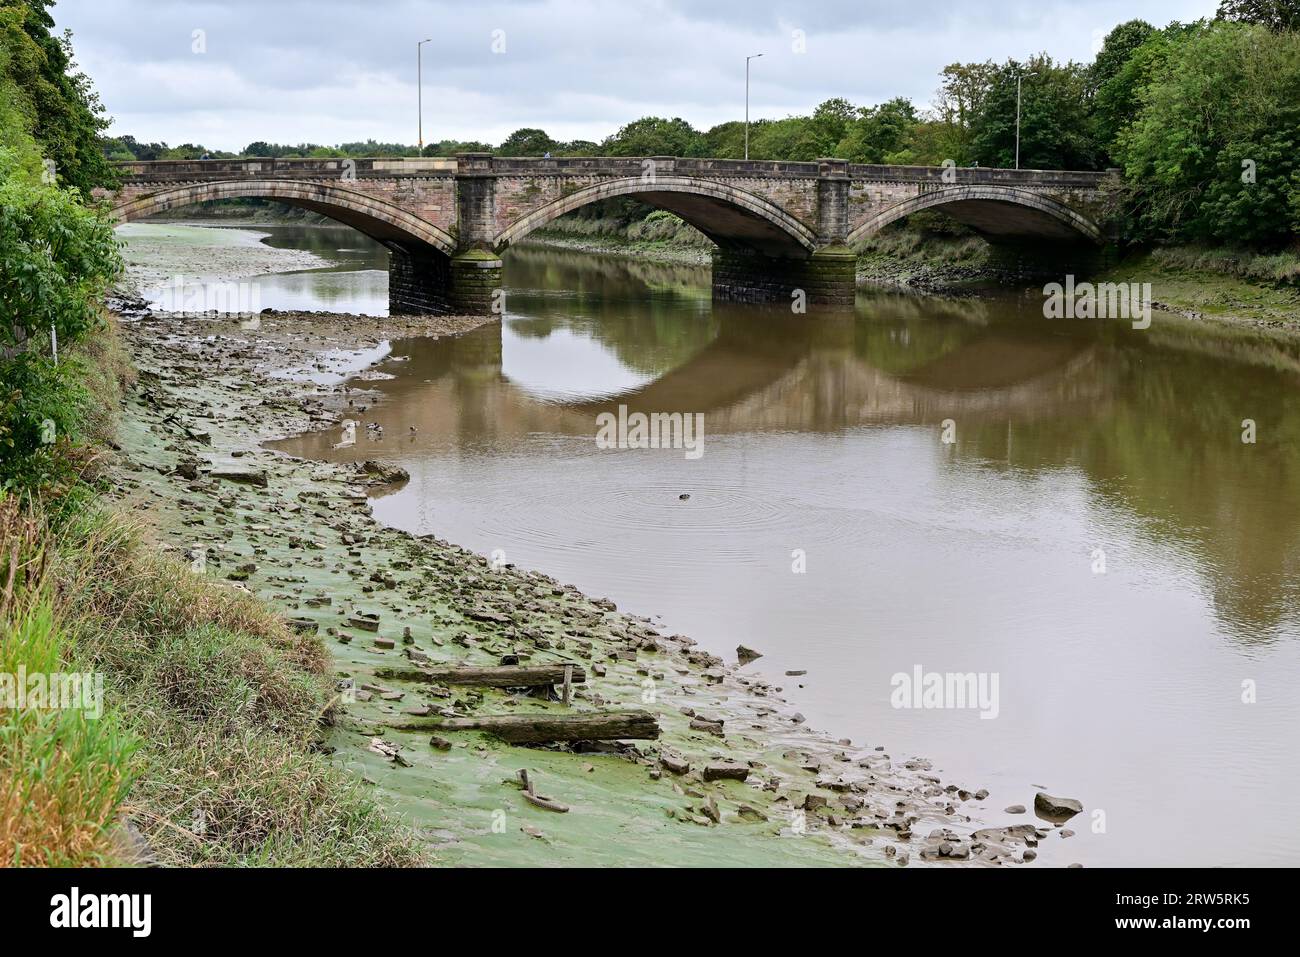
(500, 676)
(546, 728)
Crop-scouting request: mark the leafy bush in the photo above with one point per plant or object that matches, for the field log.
(57, 258)
(1212, 156)
(41, 407)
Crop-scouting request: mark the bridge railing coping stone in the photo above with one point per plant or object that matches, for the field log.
(487, 164)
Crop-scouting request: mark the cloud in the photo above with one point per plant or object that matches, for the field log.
(329, 71)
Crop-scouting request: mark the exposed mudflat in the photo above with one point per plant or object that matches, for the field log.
(300, 535)
(159, 252)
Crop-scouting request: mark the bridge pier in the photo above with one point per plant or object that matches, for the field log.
(826, 278)
(431, 283)
(475, 281)
(419, 283)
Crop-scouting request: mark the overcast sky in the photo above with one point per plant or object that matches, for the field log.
(231, 72)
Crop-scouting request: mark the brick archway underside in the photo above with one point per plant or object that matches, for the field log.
(376, 218)
(726, 214)
(996, 212)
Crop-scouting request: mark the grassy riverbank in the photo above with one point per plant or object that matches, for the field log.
(1219, 285)
(206, 750)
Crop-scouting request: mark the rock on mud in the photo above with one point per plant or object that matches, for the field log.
(242, 476)
(1056, 808)
(384, 474)
(725, 771)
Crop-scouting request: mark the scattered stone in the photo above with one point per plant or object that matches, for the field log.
(726, 771)
(1056, 809)
(712, 727)
(674, 763)
(242, 476)
(384, 473)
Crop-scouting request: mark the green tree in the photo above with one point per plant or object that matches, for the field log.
(1213, 153)
(724, 141)
(654, 136)
(578, 148)
(69, 115)
(1055, 125)
(17, 113)
(880, 134)
(794, 138)
(1129, 57)
(1277, 15)
(186, 151)
(1116, 49)
(929, 143)
(57, 258)
(959, 103)
(830, 121)
(526, 142)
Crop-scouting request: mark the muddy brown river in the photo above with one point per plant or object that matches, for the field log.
(1064, 511)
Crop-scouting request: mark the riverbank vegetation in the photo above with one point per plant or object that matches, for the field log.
(201, 748)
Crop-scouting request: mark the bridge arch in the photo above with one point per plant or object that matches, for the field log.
(726, 214)
(995, 212)
(377, 218)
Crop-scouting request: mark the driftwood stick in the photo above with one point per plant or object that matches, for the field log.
(546, 803)
(541, 800)
(545, 728)
(501, 676)
(568, 684)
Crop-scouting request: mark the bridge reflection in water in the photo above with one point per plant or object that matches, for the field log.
(1024, 392)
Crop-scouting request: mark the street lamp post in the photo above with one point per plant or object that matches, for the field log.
(747, 59)
(419, 87)
(1019, 76)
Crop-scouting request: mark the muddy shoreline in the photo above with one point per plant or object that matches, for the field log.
(193, 469)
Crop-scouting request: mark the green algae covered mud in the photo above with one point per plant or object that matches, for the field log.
(735, 776)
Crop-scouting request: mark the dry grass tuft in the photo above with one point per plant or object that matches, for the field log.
(213, 709)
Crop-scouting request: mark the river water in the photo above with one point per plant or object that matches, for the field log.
(1096, 542)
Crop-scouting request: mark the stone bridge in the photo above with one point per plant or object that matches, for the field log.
(778, 227)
